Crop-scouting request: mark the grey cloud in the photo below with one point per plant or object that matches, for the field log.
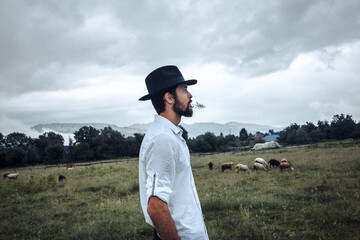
(44, 38)
(30, 43)
(49, 46)
(276, 33)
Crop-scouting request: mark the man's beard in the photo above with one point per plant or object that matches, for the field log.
(188, 112)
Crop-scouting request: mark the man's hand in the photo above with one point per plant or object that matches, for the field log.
(161, 218)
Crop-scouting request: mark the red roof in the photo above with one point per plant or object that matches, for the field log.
(258, 135)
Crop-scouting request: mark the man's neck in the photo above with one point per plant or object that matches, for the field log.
(172, 117)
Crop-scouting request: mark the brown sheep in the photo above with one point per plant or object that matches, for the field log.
(69, 166)
(226, 166)
(286, 166)
(62, 178)
(259, 166)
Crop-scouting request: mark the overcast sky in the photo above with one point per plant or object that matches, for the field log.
(272, 62)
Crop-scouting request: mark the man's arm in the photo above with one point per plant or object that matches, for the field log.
(161, 218)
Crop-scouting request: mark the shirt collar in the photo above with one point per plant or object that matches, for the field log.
(175, 129)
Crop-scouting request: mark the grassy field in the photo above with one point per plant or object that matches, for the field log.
(102, 201)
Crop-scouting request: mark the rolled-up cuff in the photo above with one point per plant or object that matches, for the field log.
(163, 194)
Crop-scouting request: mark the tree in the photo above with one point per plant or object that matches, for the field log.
(302, 136)
(342, 126)
(16, 156)
(291, 137)
(15, 145)
(251, 136)
(31, 156)
(316, 136)
(43, 147)
(69, 150)
(139, 138)
(243, 135)
(132, 147)
(356, 133)
(82, 152)
(3, 158)
(325, 128)
(221, 145)
(90, 136)
(111, 144)
(52, 138)
(309, 127)
(204, 143)
(54, 153)
(210, 140)
(15, 139)
(231, 140)
(288, 135)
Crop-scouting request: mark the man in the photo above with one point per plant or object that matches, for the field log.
(168, 194)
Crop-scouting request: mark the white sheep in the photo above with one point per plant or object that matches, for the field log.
(243, 167)
(11, 175)
(262, 161)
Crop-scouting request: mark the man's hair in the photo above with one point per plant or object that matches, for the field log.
(158, 100)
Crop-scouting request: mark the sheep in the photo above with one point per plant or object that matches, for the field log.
(274, 163)
(226, 166)
(11, 175)
(210, 165)
(69, 166)
(5, 175)
(62, 178)
(242, 167)
(286, 166)
(262, 161)
(259, 166)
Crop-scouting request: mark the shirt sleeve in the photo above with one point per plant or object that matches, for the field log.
(160, 168)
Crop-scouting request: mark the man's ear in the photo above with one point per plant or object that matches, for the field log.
(169, 98)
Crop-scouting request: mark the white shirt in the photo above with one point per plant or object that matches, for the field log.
(165, 172)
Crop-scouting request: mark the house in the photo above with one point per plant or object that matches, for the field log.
(270, 138)
(258, 135)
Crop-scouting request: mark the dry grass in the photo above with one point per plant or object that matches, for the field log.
(102, 201)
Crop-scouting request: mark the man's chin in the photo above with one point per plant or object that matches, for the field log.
(188, 113)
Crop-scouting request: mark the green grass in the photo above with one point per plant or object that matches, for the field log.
(102, 201)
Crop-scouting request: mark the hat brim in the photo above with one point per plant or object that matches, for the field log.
(149, 96)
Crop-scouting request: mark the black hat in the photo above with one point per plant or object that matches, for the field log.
(164, 78)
